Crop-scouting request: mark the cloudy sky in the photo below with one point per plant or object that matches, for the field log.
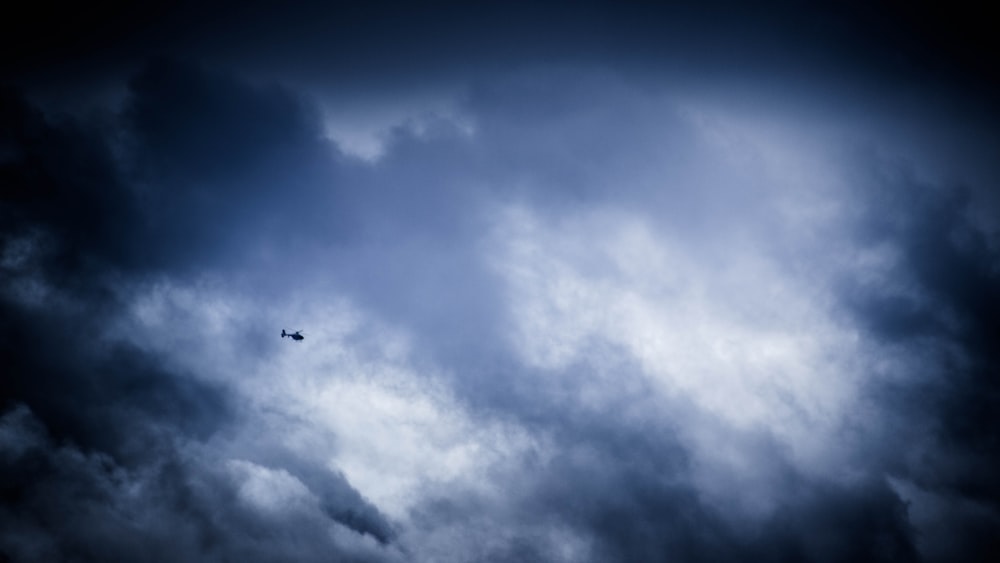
(579, 282)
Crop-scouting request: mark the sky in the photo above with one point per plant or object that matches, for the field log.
(579, 282)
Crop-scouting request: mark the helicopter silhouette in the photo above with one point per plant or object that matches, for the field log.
(293, 335)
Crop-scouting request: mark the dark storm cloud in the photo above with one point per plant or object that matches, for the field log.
(228, 168)
(64, 504)
(337, 499)
(195, 171)
(63, 178)
(381, 48)
(91, 208)
(100, 395)
(70, 227)
(948, 311)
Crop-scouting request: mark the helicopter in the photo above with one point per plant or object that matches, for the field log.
(297, 335)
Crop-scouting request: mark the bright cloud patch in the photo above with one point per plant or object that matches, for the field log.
(747, 342)
(395, 431)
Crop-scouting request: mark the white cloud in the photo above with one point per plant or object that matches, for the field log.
(348, 397)
(740, 337)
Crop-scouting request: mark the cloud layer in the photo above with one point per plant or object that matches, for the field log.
(564, 303)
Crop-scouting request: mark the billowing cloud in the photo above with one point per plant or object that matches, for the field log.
(563, 300)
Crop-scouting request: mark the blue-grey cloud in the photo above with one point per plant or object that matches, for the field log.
(96, 426)
(947, 311)
(652, 286)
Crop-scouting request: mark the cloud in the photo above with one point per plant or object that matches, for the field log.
(573, 311)
(938, 309)
(61, 503)
(105, 439)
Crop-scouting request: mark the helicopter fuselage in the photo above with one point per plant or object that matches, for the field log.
(293, 335)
